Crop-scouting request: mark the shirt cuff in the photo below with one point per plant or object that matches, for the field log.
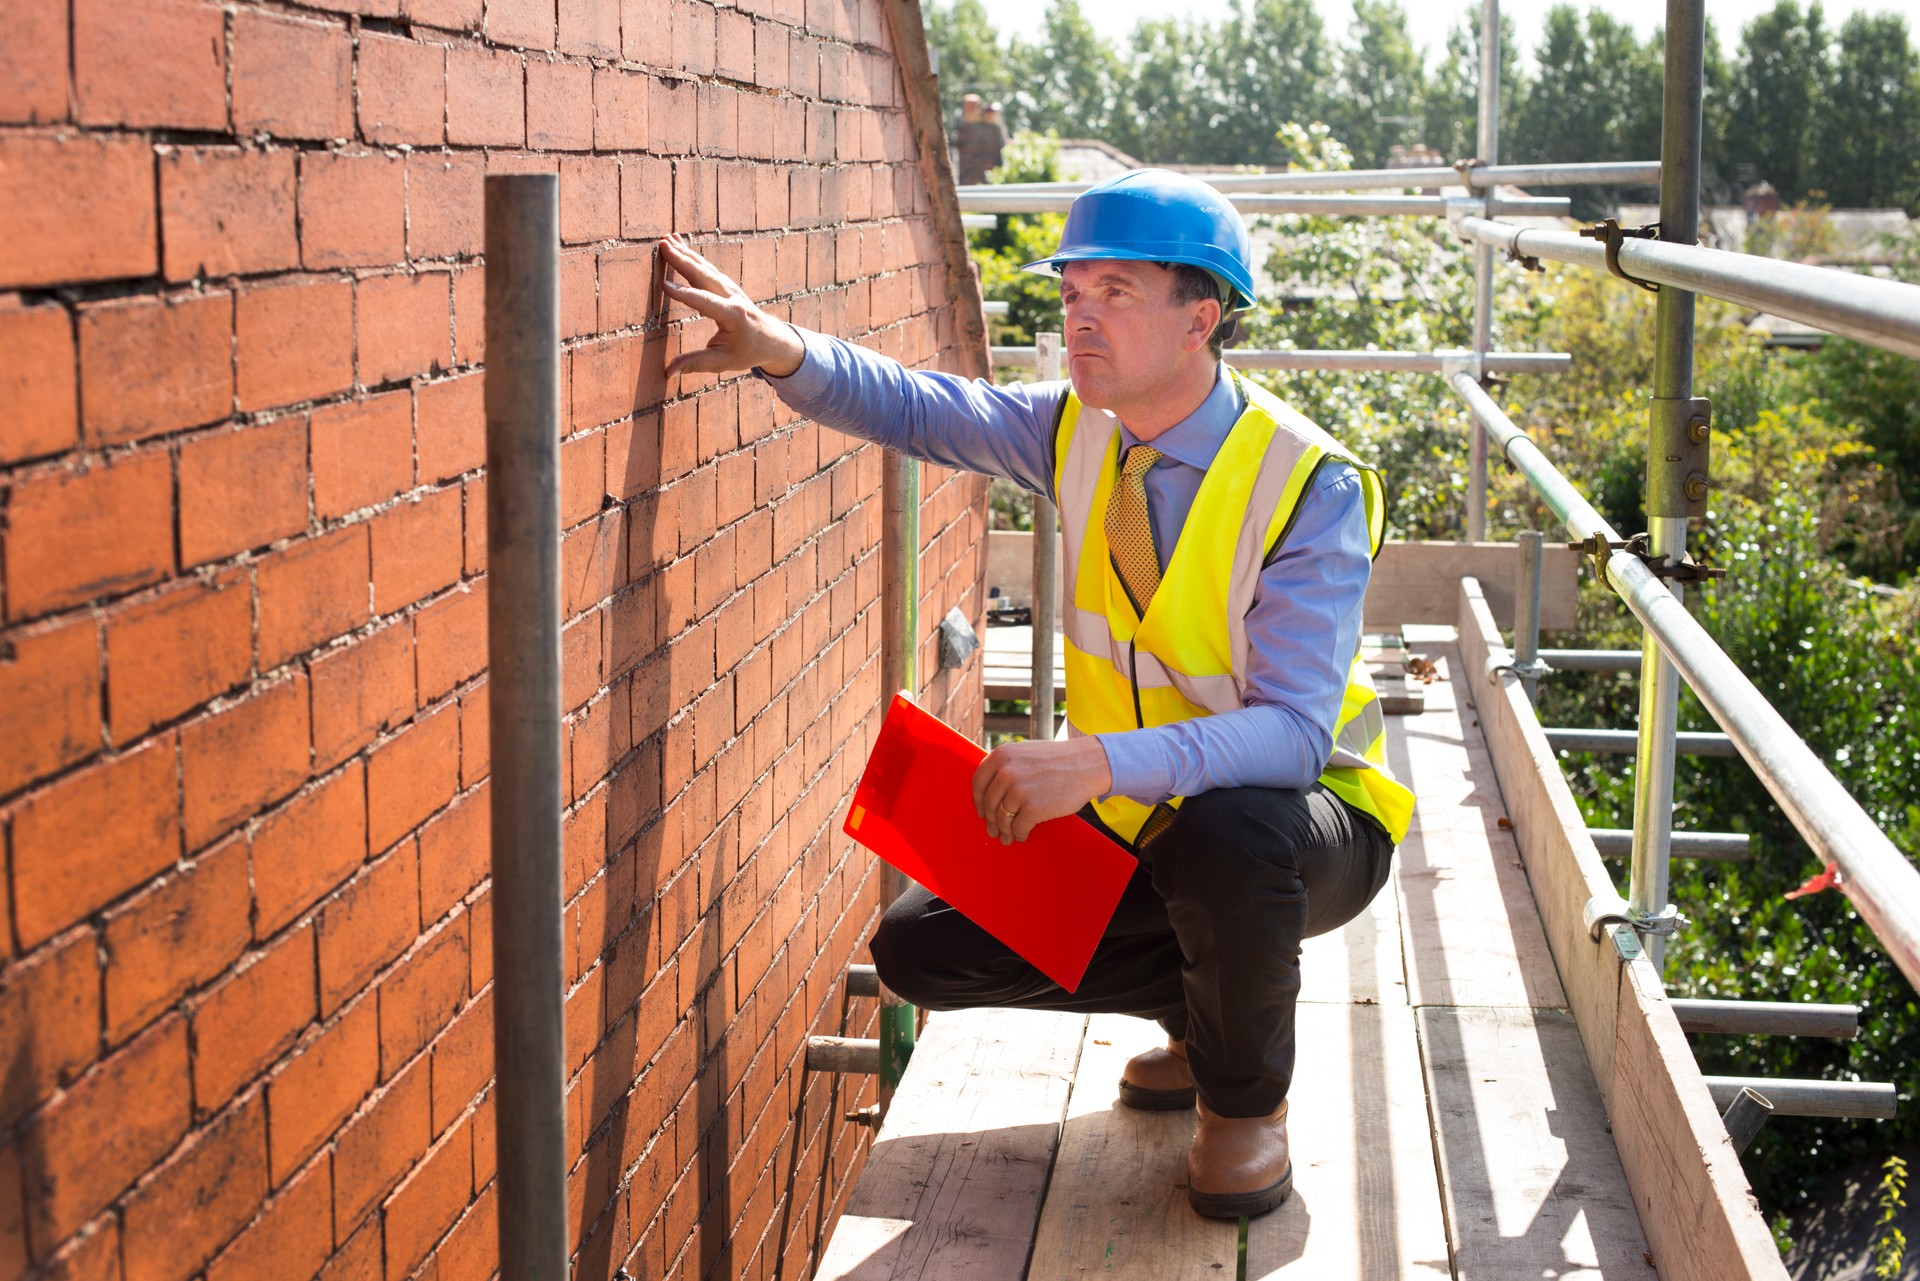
(1139, 771)
(815, 374)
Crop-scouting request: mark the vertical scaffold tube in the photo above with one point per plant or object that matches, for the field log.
(523, 645)
(1667, 450)
(899, 666)
(1046, 568)
(1526, 618)
(1487, 147)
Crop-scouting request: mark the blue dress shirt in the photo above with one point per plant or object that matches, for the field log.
(1303, 628)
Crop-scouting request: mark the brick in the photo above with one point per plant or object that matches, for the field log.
(462, 1061)
(470, 319)
(243, 489)
(416, 550)
(227, 211)
(589, 198)
(733, 56)
(293, 341)
(307, 848)
(75, 208)
(473, 736)
(195, 1203)
(361, 690)
(39, 398)
(454, 853)
(149, 365)
(450, 433)
(521, 24)
(672, 116)
(411, 776)
(646, 197)
(422, 1208)
(291, 78)
(403, 90)
(381, 1145)
(405, 325)
(620, 99)
(176, 651)
(93, 1141)
(90, 837)
(445, 201)
(362, 453)
(486, 102)
(174, 937)
(693, 36)
(320, 1087)
(33, 71)
(590, 28)
(628, 281)
(245, 1022)
(49, 1021)
(353, 209)
(359, 1258)
(237, 761)
(559, 105)
(76, 535)
(150, 63)
(370, 922)
(422, 995)
(310, 593)
(292, 1237)
(450, 642)
(472, 1249)
(578, 307)
(50, 680)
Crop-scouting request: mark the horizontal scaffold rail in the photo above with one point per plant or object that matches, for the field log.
(1881, 313)
(1391, 362)
(1012, 200)
(1883, 886)
(1637, 173)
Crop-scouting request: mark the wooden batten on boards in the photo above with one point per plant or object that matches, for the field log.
(1413, 582)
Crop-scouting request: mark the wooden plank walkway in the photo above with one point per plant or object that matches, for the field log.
(1445, 1122)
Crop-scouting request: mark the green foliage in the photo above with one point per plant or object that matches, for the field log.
(1818, 113)
(1889, 1242)
(1002, 252)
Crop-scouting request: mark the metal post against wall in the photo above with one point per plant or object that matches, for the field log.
(522, 394)
(1487, 146)
(899, 670)
(1046, 569)
(1526, 620)
(1668, 450)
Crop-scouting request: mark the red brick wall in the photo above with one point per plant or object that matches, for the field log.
(244, 980)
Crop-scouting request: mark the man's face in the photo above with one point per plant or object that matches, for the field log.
(1125, 334)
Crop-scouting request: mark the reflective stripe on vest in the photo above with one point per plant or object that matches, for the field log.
(1188, 656)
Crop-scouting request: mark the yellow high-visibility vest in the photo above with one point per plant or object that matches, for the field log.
(1188, 656)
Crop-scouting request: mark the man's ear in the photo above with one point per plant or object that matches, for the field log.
(1204, 319)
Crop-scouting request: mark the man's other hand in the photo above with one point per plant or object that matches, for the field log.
(1021, 785)
(746, 337)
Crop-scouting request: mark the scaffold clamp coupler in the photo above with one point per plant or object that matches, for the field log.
(1604, 910)
(1667, 568)
(1609, 232)
(1528, 671)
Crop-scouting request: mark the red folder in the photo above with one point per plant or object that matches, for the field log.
(1048, 897)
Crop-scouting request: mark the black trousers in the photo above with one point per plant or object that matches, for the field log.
(1206, 938)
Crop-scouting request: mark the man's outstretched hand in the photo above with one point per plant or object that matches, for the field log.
(1021, 785)
(747, 336)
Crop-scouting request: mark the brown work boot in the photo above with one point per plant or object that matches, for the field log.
(1239, 1165)
(1157, 1080)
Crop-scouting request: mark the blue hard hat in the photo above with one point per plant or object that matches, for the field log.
(1153, 215)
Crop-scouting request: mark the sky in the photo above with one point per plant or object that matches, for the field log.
(1429, 20)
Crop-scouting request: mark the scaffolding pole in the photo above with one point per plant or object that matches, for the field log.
(1487, 146)
(1046, 568)
(899, 664)
(1380, 362)
(1668, 453)
(1636, 173)
(522, 395)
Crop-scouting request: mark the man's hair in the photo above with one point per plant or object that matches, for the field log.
(1196, 284)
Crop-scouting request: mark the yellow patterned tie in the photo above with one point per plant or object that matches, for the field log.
(1129, 532)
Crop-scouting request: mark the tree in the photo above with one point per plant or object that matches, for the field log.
(1071, 82)
(1376, 101)
(1451, 104)
(1172, 101)
(970, 54)
(1864, 135)
(1775, 94)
